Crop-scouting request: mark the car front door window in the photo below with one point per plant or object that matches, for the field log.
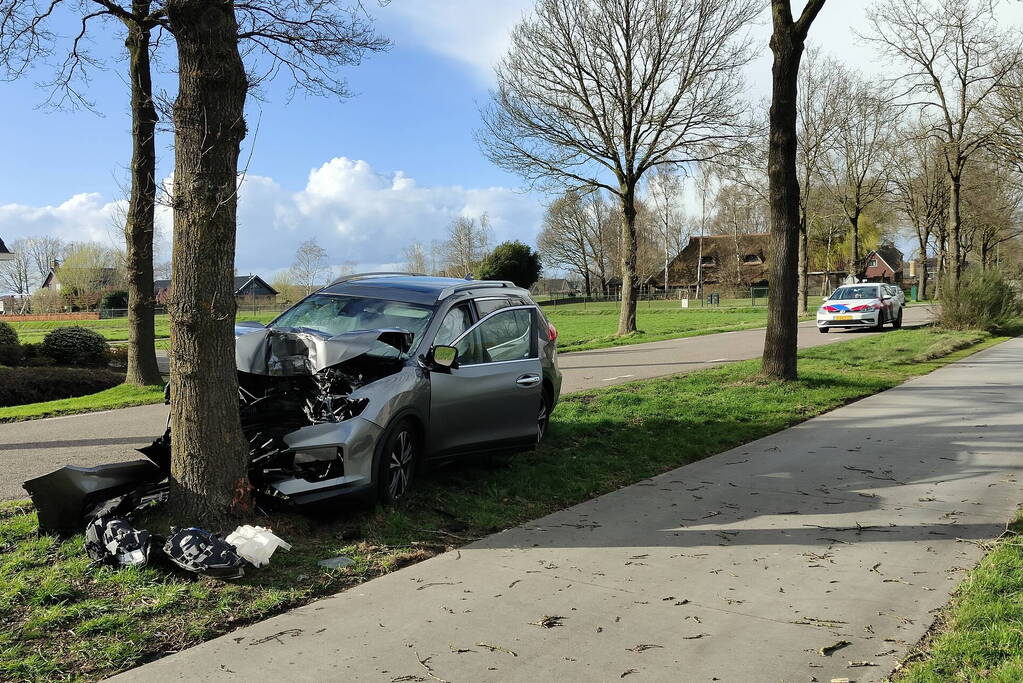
(454, 324)
(504, 336)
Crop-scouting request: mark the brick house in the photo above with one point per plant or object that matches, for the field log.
(884, 264)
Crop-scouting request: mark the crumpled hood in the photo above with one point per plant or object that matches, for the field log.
(281, 352)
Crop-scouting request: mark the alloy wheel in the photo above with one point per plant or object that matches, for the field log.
(542, 420)
(401, 463)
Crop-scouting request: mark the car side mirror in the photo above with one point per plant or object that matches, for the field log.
(444, 357)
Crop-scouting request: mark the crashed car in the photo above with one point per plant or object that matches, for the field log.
(357, 386)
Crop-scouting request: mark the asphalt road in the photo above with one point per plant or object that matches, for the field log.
(29, 449)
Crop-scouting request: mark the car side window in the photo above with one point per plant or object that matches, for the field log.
(457, 321)
(487, 306)
(506, 336)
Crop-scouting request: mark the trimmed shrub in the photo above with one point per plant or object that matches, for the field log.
(116, 299)
(8, 335)
(33, 354)
(76, 346)
(19, 386)
(982, 300)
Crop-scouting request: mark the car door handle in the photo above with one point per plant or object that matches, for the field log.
(528, 380)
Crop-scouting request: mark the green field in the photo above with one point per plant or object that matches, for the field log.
(580, 326)
(61, 618)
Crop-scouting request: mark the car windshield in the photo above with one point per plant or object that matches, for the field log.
(334, 314)
(845, 293)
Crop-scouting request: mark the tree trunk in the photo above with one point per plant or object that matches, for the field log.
(209, 482)
(627, 316)
(921, 288)
(954, 225)
(783, 186)
(854, 268)
(804, 259)
(138, 230)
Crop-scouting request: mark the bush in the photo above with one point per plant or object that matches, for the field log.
(33, 354)
(982, 300)
(8, 335)
(76, 346)
(116, 299)
(19, 386)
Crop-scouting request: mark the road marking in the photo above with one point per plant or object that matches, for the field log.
(611, 379)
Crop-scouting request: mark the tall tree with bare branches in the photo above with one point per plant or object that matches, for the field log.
(596, 93)
(857, 164)
(958, 62)
(311, 41)
(788, 39)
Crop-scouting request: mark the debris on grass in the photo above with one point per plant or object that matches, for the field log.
(339, 562)
(548, 621)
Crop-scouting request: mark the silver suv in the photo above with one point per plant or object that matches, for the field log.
(358, 385)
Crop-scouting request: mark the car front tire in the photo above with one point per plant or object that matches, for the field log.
(398, 461)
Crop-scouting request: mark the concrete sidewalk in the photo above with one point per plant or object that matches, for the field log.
(853, 526)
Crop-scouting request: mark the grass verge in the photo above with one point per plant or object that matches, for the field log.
(110, 620)
(979, 636)
(121, 396)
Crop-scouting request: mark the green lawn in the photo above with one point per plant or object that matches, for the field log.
(592, 326)
(109, 620)
(580, 326)
(979, 637)
(121, 396)
(115, 329)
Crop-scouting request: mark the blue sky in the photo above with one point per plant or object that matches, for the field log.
(364, 176)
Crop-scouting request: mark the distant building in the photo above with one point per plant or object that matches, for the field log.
(555, 286)
(249, 290)
(106, 278)
(884, 264)
(719, 262)
(5, 253)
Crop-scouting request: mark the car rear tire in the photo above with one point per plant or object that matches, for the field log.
(897, 324)
(398, 461)
(823, 330)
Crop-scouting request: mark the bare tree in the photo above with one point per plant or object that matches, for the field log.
(16, 274)
(44, 251)
(992, 210)
(467, 245)
(817, 118)
(919, 189)
(564, 240)
(958, 63)
(415, 258)
(664, 190)
(595, 93)
(857, 164)
(309, 40)
(311, 267)
(787, 42)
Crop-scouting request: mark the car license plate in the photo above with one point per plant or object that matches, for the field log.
(843, 317)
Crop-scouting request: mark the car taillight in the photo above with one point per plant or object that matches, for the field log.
(552, 332)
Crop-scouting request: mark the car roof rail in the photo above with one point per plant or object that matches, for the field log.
(362, 276)
(473, 284)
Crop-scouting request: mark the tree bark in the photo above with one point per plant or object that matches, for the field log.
(627, 315)
(954, 269)
(854, 266)
(138, 230)
(779, 360)
(209, 483)
(921, 289)
(804, 259)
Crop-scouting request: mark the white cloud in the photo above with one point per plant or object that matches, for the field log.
(474, 32)
(355, 212)
(85, 217)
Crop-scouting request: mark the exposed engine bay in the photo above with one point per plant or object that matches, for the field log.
(290, 380)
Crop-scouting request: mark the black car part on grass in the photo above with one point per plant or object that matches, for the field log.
(112, 540)
(198, 550)
(67, 498)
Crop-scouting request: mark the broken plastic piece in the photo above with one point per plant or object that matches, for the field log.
(67, 498)
(198, 550)
(338, 562)
(256, 544)
(113, 540)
